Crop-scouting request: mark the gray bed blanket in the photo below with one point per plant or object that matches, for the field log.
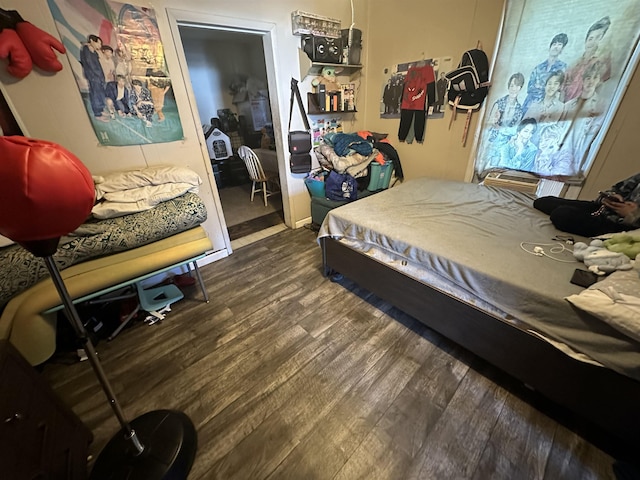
(19, 269)
(469, 236)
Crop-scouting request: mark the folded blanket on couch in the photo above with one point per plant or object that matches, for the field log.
(19, 269)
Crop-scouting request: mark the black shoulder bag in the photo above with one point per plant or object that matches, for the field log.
(299, 140)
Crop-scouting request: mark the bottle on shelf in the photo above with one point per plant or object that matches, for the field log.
(340, 101)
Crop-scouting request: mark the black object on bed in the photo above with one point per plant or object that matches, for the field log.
(420, 247)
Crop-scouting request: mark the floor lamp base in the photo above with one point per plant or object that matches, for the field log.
(170, 443)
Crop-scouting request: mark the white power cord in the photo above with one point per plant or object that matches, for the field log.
(556, 248)
(350, 39)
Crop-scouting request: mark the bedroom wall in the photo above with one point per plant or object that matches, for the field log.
(48, 106)
(408, 31)
(391, 34)
(426, 29)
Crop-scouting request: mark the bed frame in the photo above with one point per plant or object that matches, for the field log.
(607, 400)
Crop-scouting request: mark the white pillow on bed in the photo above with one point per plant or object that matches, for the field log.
(5, 242)
(615, 300)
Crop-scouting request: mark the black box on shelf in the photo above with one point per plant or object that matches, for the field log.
(354, 45)
(322, 91)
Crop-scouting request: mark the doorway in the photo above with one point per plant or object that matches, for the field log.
(228, 74)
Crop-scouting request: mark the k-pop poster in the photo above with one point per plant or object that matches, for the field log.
(118, 62)
(558, 70)
(393, 85)
(321, 127)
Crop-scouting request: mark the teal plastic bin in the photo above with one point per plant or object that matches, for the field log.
(380, 176)
(315, 187)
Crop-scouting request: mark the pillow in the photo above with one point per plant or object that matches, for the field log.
(4, 241)
(614, 300)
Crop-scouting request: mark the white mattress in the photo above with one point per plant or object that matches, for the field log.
(465, 239)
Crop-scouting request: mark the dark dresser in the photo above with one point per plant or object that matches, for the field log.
(40, 437)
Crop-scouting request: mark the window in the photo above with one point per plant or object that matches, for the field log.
(559, 72)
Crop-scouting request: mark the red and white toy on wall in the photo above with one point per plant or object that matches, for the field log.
(23, 45)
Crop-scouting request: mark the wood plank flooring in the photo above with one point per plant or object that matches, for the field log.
(288, 375)
(255, 225)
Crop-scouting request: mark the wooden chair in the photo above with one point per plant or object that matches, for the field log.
(258, 175)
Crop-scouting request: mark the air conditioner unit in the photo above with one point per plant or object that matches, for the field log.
(518, 181)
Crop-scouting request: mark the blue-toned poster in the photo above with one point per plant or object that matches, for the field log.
(555, 84)
(118, 62)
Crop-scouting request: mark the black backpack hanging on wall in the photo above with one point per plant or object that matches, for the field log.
(299, 140)
(468, 85)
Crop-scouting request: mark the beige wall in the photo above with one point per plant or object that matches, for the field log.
(398, 33)
(49, 106)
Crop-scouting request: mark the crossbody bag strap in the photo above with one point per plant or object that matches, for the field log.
(296, 92)
(294, 85)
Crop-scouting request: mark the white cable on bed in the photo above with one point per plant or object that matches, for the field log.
(556, 248)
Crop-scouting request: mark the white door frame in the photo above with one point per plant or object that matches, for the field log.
(178, 18)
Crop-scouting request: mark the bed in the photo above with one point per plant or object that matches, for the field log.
(459, 258)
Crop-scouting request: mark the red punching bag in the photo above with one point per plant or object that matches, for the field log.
(46, 191)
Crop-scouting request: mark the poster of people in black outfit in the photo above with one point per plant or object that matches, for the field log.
(394, 82)
(118, 62)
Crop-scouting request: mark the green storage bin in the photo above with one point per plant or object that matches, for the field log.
(316, 187)
(380, 176)
(321, 206)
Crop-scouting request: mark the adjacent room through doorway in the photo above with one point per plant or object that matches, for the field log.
(229, 79)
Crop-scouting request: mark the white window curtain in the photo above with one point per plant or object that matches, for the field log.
(559, 72)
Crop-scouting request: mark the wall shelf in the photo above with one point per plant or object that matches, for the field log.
(307, 67)
(314, 108)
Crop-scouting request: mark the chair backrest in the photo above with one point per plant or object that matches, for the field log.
(251, 160)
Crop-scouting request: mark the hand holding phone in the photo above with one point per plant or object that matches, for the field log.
(612, 197)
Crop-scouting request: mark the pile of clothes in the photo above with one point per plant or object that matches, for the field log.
(351, 153)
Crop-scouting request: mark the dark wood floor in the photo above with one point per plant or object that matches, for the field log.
(287, 375)
(255, 225)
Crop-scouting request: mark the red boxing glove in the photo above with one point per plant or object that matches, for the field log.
(12, 48)
(40, 46)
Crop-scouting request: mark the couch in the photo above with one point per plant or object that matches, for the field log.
(33, 332)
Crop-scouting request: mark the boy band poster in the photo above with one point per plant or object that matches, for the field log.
(117, 58)
(557, 73)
